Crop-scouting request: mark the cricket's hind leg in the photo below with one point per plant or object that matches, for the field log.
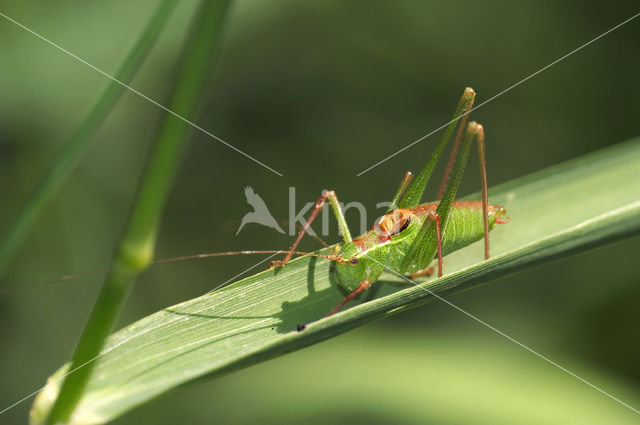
(431, 217)
(413, 194)
(422, 255)
(478, 131)
(485, 196)
(455, 149)
(337, 210)
(404, 185)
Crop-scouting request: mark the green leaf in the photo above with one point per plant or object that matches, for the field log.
(561, 210)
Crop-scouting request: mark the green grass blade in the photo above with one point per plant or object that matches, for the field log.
(135, 250)
(77, 143)
(567, 208)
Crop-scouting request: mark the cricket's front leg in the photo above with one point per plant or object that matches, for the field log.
(337, 210)
(364, 285)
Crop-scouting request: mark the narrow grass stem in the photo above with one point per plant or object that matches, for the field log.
(135, 250)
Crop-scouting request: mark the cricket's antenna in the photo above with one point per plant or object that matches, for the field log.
(251, 252)
(52, 281)
(168, 260)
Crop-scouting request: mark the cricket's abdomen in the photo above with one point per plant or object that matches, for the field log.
(465, 223)
(464, 226)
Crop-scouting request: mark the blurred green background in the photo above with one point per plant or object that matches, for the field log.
(321, 91)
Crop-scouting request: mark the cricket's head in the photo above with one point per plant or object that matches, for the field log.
(353, 269)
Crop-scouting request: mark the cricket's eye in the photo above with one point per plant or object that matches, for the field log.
(403, 227)
(353, 261)
(385, 223)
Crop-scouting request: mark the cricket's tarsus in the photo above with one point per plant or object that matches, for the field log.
(421, 273)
